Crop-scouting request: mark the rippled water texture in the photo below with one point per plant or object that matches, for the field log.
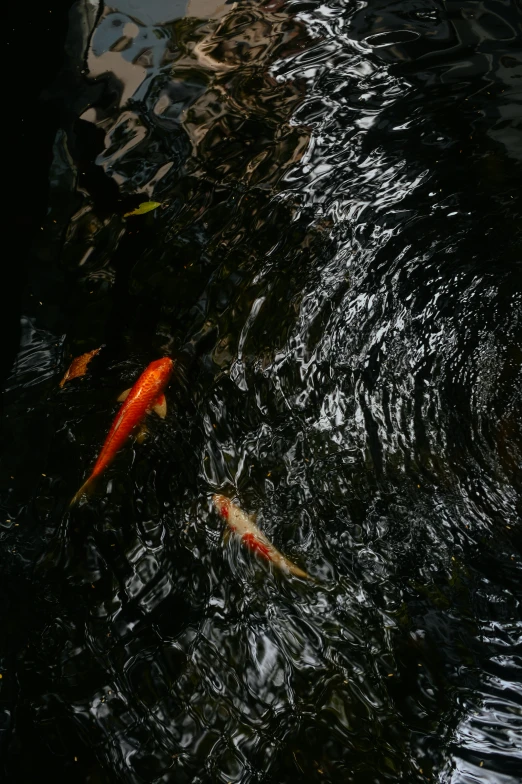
(336, 266)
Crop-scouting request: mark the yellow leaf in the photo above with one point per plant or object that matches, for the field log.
(145, 206)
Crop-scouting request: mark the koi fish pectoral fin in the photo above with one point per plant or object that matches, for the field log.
(160, 406)
(142, 434)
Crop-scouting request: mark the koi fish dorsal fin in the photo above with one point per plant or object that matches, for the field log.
(124, 395)
(160, 406)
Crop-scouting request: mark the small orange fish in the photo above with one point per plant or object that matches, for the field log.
(242, 524)
(78, 366)
(146, 394)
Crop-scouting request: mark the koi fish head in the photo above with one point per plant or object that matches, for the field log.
(161, 369)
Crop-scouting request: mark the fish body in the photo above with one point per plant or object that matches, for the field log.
(146, 394)
(78, 366)
(244, 526)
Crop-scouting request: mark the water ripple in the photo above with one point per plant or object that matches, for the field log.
(335, 266)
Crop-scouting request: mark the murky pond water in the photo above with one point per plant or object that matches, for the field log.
(336, 268)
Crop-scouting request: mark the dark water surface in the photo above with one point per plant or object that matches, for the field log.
(336, 265)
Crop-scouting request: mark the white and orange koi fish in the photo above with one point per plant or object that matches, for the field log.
(244, 526)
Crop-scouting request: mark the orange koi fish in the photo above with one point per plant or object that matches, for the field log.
(145, 395)
(78, 366)
(242, 524)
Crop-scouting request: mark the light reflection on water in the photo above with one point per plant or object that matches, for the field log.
(336, 265)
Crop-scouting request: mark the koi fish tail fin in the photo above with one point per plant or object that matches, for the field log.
(85, 488)
(297, 572)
